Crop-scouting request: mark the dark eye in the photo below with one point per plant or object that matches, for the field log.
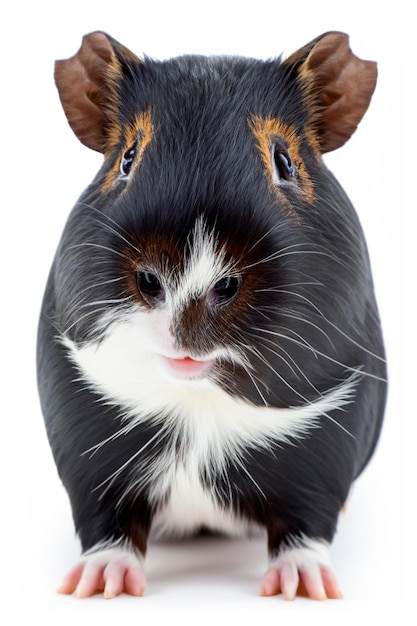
(224, 290)
(127, 161)
(150, 287)
(285, 169)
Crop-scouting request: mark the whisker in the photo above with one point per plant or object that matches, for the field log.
(300, 318)
(279, 376)
(314, 283)
(99, 246)
(247, 367)
(100, 284)
(247, 370)
(149, 472)
(109, 301)
(84, 316)
(303, 374)
(276, 255)
(238, 462)
(290, 314)
(316, 352)
(324, 317)
(279, 254)
(308, 402)
(298, 295)
(264, 236)
(113, 221)
(112, 230)
(110, 479)
(122, 431)
(260, 356)
(301, 340)
(358, 345)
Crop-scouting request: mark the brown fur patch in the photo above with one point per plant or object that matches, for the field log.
(141, 128)
(265, 130)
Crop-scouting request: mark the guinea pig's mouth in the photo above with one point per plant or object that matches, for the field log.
(188, 368)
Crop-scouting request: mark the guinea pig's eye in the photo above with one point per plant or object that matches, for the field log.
(224, 291)
(284, 167)
(127, 161)
(150, 287)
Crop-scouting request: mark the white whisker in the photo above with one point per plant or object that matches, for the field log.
(358, 345)
(88, 314)
(247, 370)
(109, 301)
(264, 236)
(117, 230)
(242, 467)
(100, 284)
(276, 255)
(258, 354)
(303, 344)
(279, 254)
(247, 367)
(321, 314)
(110, 479)
(130, 425)
(301, 340)
(300, 318)
(306, 401)
(86, 244)
(288, 355)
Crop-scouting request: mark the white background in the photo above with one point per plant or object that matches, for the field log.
(44, 169)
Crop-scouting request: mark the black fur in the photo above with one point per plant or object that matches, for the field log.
(204, 160)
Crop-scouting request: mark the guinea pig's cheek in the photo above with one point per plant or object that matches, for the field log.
(123, 361)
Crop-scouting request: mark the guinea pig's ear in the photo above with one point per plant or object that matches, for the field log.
(339, 84)
(87, 87)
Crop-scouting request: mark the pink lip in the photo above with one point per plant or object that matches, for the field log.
(188, 367)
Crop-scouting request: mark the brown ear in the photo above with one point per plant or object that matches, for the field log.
(339, 83)
(86, 86)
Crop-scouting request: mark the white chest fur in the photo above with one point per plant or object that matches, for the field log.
(126, 368)
(190, 508)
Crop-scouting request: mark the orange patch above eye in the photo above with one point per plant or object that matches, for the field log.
(266, 131)
(140, 129)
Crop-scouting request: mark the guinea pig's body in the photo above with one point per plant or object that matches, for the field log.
(210, 353)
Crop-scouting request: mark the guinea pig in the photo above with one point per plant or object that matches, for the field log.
(210, 354)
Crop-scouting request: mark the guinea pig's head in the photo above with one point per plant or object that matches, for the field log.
(213, 240)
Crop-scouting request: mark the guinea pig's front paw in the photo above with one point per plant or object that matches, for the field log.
(112, 571)
(302, 571)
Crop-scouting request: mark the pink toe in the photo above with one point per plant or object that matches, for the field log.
(71, 580)
(313, 583)
(330, 584)
(289, 581)
(270, 585)
(113, 579)
(91, 581)
(134, 582)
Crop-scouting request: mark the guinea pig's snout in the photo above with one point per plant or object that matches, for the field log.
(163, 331)
(178, 356)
